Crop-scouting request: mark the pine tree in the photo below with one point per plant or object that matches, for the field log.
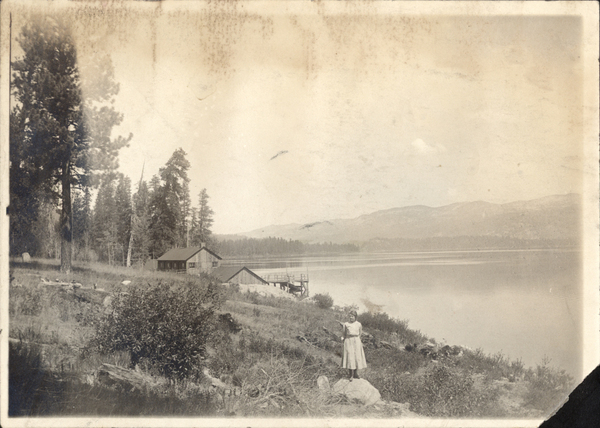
(205, 220)
(141, 223)
(167, 204)
(61, 134)
(82, 223)
(104, 225)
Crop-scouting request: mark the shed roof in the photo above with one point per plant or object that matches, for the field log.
(226, 273)
(183, 254)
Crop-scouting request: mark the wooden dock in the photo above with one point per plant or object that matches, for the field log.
(295, 283)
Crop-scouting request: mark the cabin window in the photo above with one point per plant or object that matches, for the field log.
(182, 265)
(215, 264)
(169, 265)
(191, 265)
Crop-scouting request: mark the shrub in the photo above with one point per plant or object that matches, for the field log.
(440, 391)
(396, 361)
(548, 387)
(383, 322)
(163, 326)
(323, 301)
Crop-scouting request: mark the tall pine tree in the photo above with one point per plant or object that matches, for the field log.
(202, 231)
(63, 124)
(104, 227)
(141, 223)
(170, 197)
(82, 223)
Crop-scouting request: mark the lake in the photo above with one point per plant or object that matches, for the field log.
(526, 304)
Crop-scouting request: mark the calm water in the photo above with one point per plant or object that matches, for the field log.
(526, 304)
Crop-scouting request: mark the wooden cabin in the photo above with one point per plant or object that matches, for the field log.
(191, 260)
(237, 275)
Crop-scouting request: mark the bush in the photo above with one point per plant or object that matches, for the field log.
(382, 322)
(548, 387)
(440, 391)
(396, 361)
(323, 301)
(163, 326)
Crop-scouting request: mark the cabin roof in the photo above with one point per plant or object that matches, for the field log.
(183, 254)
(225, 273)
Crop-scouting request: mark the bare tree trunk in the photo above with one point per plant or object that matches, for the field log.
(66, 234)
(129, 247)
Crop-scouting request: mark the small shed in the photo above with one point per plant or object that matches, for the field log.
(192, 260)
(237, 275)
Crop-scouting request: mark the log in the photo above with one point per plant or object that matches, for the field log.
(125, 379)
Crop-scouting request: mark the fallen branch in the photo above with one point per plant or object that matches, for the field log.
(334, 336)
(304, 339)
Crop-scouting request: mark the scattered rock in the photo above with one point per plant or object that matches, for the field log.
(357, 390)
(434, 351)
(126, 282)
(26, 257)
(323, 384)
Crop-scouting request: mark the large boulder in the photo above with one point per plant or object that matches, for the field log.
(359, 390)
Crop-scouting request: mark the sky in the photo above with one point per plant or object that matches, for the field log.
(296, 112)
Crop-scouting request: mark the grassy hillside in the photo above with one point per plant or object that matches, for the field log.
(270, 367)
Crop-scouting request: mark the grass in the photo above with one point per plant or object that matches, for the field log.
(272, 364)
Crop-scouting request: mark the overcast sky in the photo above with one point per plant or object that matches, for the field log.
(314, 111)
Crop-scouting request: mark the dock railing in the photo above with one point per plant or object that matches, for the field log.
(291, 282)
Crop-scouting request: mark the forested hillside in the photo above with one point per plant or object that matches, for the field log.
(249, 247)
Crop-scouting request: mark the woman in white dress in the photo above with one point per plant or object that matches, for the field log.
(353, 357)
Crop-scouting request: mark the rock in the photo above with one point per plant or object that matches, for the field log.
(126, 282)
(323, 384)
(26, 257)
(357, 390)
(107, 301)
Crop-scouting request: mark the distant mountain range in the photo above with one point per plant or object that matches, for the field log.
(550, 218)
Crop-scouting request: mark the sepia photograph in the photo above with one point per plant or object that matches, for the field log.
(297, 213)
